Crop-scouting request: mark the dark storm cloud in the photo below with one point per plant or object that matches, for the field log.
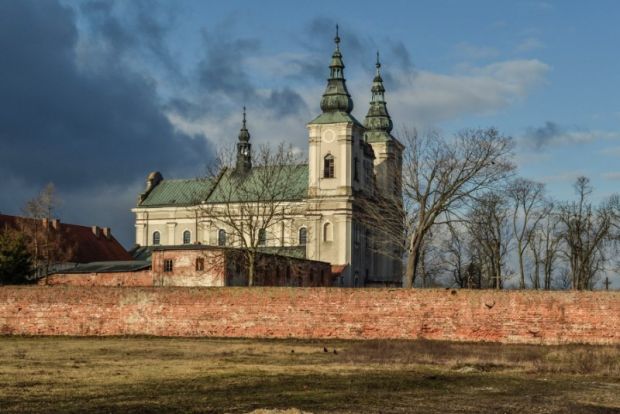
(543, 136)
(128, 28)
(79, 129)
(224, 82)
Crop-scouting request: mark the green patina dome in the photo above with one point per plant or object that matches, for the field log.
(336, 97)
(378, 123)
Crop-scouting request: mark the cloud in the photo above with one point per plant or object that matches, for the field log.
(611, 175)
(552, 134)
(84, 130)
(468, 51)
(529, 44)
(428, 97)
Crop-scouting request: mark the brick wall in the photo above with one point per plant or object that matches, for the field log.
(509, 316)
(138, 278)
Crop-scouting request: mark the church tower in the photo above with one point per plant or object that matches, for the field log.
(335, 156)
(387, 266)
(388, 150)
(244, 149)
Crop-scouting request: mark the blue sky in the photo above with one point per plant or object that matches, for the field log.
(103, 92)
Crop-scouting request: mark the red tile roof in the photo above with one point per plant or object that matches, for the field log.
(84, 245)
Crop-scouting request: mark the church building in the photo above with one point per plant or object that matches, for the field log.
(349, 165)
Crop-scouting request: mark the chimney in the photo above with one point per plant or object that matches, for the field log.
(56, 224)
(96, 231)
(106, 233)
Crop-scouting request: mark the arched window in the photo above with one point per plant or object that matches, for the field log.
(187, 237)
(328, 166)
(221, 237)
(328, 232)
(303, 236)
(156, 238)
(262, 237)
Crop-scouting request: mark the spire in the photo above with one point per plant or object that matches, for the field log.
(336, 97)
(244, 134)
(244, 154)
(378, 122)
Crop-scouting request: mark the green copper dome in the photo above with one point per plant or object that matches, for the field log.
(336, 97)
(378, 122)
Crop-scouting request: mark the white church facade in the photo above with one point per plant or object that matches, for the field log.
(349, 163)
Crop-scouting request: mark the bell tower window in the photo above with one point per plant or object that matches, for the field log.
(328, 166)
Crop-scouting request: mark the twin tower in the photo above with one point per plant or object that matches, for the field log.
(349, 163)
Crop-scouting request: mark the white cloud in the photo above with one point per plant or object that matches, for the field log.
(611, 175)
(469, 51)
(529, 44)
(429, 97)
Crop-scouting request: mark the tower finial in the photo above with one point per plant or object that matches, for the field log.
(337, 39)
(243, 116)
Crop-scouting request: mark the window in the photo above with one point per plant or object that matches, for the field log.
(168, 265)
(328, 166)
(200, 264)
(303, 236)
(221, 237)
(262, 237)
(187, 237)
(356, 280)
(355, 168)
(328, 232)
(156, 238)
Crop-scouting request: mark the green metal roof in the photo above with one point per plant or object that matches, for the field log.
(277, 183)
(287, 182)
(334, 118)
(108, 267)
(178, 192)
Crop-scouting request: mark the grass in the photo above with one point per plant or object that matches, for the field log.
(143, 375)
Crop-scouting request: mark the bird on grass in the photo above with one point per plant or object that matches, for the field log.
(335, 352)
(325, 349)
(292, 351)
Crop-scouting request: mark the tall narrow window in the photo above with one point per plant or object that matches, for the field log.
(221, 237)
(303, 236)
(355, 169)
(156, 238)
(168, 265)
(200, 264)
(262, 237)
(328, 232)
(328, 166)
(187, 237)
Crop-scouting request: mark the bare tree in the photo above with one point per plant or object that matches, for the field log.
(587, 232)
(440, 175)
(528, 208)
(489, 229)
(544, 245)
(45, 243)
(254, 208)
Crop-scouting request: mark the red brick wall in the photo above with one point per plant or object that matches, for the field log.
(510, 316)
(184, 271)
(139, 278)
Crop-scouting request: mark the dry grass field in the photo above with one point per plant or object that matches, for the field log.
(149, 375)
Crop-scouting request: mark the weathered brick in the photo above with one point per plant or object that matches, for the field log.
(500, 316)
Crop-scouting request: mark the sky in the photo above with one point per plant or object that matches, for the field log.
(94, 95)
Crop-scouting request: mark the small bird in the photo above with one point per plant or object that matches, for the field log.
(292, 351)
(335, 352)
(325, 349)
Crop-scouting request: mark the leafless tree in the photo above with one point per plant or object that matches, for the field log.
(489, 230)
(441, 174)
(45, 244)
(544, 246)
(253, 208)
(587, 231)
(528, 209)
